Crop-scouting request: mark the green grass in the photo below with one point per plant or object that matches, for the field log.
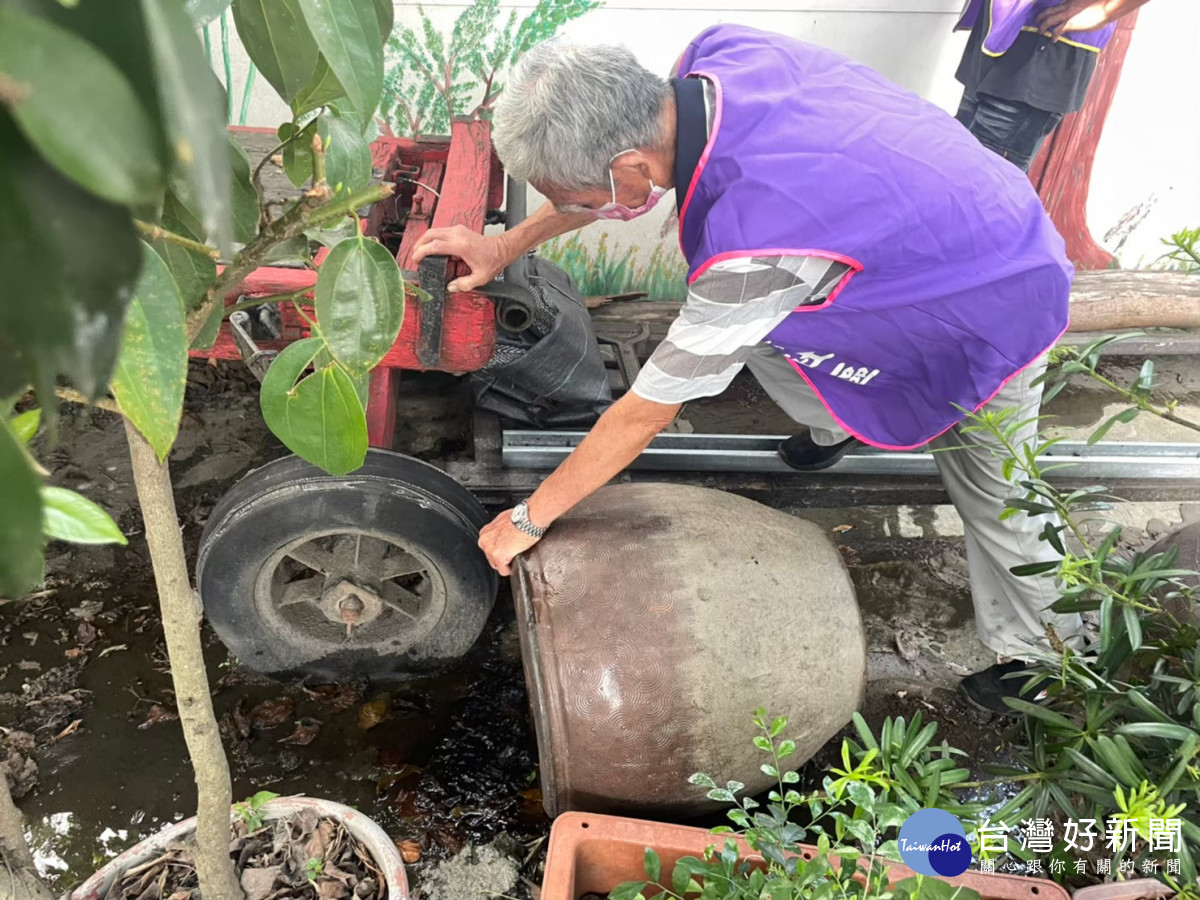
(601, 272)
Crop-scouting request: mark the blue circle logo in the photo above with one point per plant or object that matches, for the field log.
(933, 842)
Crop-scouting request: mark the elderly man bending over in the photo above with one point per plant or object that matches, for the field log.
(874, 266)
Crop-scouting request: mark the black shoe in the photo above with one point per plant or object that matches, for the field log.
(804, 454)
(986, 690)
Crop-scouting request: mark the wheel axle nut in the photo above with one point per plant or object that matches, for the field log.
(350, 610)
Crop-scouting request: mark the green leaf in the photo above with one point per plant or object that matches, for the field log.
(190, 103)
(243, 197)
(67, 275)
(777, 725)
(699, 778)
(385, 12)
(152, 368)
(1157, 729)
(319, 419)
(69, 516)
(211, 329)
(321, 89)
(279, 43)
(721, 795)
(347, 156)
(652, 865)
(78, 110)
(192, 272)
(347, 33)
(1125, 415)
(201, 12)
(20, 526)
(628, 890)
(25, 425)
(359, 301)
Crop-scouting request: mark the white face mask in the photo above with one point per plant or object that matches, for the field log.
(615, 210)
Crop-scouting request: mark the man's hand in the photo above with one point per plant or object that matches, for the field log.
(486, 256)
(1082, 15)
(501, 540)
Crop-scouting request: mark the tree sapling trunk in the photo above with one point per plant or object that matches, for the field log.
(18, 877)
(181, 614)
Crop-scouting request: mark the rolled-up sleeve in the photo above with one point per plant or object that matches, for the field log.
(730, 309)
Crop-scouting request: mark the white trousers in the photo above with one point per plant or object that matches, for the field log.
(1011, 612)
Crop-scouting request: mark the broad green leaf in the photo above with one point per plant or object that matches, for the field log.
(385, 11)
(69, 261)
(321, 89)
(25, 425)
(629, 890)
(207, 336)
(152, 368)
(652, 864)
(201, 12)
(21, 524)
(77, 108)
(69, 516)
(359, 301)
(193, 272)
(319, 419)
(279, 43)
(347, 33)
(193, 115)
(243, 196)
(347, 156)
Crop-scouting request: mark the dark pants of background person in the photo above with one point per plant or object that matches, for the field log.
(1013, 129)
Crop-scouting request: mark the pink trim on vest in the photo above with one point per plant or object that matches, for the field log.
(708, 146)
(846, 428)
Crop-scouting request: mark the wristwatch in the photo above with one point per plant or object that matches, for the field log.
(520, 518)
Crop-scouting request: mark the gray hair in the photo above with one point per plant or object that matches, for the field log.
(568, 108)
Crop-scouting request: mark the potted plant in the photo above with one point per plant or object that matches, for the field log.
(764, 857)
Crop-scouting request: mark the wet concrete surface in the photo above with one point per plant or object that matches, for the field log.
(446, 765)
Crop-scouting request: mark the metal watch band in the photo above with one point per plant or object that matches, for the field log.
(520, 518)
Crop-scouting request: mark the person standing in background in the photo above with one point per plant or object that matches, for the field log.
(1026, 64)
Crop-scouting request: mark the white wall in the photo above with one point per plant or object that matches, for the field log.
(1151, 143)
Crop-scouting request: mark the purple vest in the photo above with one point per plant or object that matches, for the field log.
(958, 279)
(1007, 18)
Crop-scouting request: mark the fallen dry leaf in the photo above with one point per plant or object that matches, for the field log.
(305, 733)
(371, 713)
(259, 883)
(272, 713)
(73, 653)
(85, 633)
(410, 851)
(70, 729)
(337, 698)
(159, 713)
(841, 529)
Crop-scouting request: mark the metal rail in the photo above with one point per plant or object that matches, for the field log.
(1108, 461)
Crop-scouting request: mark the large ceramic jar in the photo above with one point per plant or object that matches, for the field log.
(654, 619)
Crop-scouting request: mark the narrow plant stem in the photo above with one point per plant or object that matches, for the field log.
(181, 615)
(318, 155)
(153, 232)
(1007, 779)
(1142, 404)
(246, 91)
(228, 66)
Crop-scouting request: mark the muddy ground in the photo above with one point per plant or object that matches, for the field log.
(444, 765)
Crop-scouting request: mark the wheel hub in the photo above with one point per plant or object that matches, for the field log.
(352, 581)
(350, 604)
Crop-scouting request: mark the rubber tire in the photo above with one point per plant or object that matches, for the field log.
(418, 504)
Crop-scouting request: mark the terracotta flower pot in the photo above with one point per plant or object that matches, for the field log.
(593, 854)
(383, 851)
